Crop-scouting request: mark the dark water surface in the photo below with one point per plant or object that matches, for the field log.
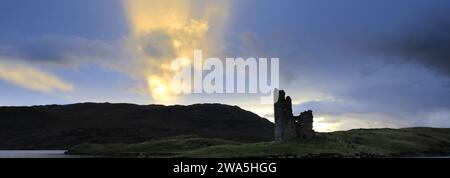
(36, 154)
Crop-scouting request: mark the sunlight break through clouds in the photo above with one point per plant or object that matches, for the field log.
(164, 30)
(32, 78)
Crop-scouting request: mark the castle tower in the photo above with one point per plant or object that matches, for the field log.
(287, 126)
(284, 123)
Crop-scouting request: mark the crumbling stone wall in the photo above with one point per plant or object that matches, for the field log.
(287, 126)
(305, 125)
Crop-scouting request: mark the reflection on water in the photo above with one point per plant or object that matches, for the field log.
(35, 154)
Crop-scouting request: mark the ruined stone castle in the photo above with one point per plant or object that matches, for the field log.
(288, 126)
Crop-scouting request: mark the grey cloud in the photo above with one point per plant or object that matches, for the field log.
(57, 49)
(367, 71)
(271, 115)
(157, 44)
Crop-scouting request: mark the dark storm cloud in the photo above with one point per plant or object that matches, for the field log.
(429, 47)
(53, 31)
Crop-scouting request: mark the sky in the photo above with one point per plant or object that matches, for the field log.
(355, 63)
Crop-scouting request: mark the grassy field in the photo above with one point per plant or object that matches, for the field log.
(352, 143)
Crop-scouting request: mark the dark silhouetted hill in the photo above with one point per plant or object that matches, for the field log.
(63, 126)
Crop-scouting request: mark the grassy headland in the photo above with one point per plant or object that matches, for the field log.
(353, 143)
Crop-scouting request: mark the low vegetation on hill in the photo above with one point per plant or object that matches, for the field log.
(352, 143)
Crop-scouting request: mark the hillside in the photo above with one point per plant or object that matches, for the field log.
(353, 143)
(63, 126)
